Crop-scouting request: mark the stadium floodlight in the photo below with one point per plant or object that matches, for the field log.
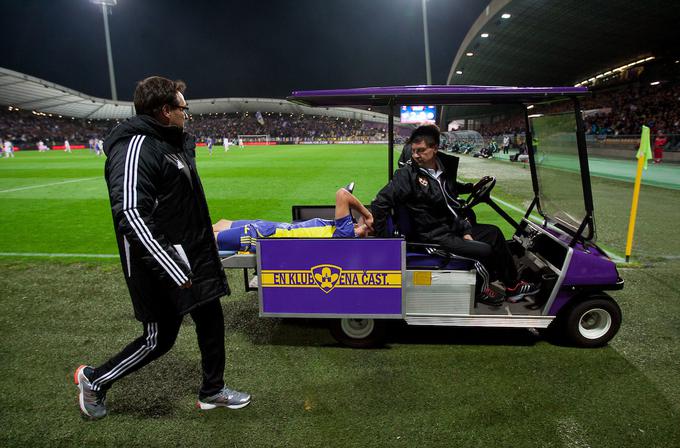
(105, 12)
(469, 53)
(506, 16)
(485, 35)
(459, 72)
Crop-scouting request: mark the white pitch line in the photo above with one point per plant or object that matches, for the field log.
(47, 185)
(517, 209)
(55, 255)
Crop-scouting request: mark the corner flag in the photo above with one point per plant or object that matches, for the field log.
(644, 153)
(645, 149)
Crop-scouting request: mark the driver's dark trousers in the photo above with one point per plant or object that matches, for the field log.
(490, 248)
(159, 337)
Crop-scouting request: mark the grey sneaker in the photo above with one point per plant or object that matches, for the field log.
(92, 403)
(225, 398)
(521, 290)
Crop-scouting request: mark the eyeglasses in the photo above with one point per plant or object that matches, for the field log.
(184, 109)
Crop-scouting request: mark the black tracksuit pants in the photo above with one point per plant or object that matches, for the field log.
(159, 337)
(490, 248)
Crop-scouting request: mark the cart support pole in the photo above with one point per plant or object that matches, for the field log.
(390, 142)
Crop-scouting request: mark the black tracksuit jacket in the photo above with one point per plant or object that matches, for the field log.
(161, 219)
(432, 207)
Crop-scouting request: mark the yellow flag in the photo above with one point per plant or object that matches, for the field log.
(645, 150)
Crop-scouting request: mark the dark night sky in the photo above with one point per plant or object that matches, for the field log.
(265, 48)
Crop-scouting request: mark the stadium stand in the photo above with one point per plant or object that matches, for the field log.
(37, 110)
(617, 112)
(289, 128)
(25, 129)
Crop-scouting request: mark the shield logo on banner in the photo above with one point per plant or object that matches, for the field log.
(326, 276)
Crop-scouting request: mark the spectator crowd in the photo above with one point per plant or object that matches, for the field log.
(610, 113)
(26, 129)
(618, 112)
(285, 127)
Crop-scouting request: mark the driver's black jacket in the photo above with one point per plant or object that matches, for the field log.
(161, 219)
(431, 205)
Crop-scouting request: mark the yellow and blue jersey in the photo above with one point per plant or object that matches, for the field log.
(243, 234)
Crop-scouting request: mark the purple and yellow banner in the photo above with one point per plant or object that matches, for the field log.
(316, 277)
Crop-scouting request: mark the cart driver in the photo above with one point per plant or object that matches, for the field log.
(241, 235)
(427, 190)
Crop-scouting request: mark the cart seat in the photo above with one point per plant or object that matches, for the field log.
(423, 255)
(415, 260)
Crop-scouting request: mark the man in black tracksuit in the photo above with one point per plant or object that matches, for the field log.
(166, 246)
(426, 190)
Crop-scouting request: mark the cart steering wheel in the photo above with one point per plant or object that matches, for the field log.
(481, 191)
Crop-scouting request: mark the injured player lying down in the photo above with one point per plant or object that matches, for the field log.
(241, 235)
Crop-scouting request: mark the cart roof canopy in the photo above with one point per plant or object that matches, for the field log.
(436, 95)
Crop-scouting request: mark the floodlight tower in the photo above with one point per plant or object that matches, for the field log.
(105, 12)
(427, 44)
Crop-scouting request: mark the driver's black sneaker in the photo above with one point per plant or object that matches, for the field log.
(490, 297)
(520, 290)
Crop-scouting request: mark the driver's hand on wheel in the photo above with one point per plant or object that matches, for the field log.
(468, 237)
(481, 182)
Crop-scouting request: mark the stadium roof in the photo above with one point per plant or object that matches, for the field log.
(552, 43)
(398, 95)
(35, 94)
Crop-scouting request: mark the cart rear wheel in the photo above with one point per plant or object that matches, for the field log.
(358, 333)
(593, 322)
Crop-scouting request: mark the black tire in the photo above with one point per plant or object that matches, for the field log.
(592, 322)
(359, 333)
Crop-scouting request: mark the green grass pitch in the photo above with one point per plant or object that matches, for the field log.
(428, 386)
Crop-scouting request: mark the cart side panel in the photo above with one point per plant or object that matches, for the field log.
(331, 277)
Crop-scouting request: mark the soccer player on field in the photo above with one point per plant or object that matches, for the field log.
(209, 141)
(240, 143)
(225, 142)
(8, 149)
(67, 146)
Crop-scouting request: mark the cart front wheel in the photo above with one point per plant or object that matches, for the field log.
(593, 322)
(358, 333)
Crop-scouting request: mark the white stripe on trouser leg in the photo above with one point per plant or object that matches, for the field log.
(481, 270)
(132, 214)
(132, 360)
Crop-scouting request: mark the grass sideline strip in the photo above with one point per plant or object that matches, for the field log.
(55, 255)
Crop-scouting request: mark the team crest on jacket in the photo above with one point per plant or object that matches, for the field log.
(423, 181)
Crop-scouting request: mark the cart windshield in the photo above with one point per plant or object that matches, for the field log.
(558, 166)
